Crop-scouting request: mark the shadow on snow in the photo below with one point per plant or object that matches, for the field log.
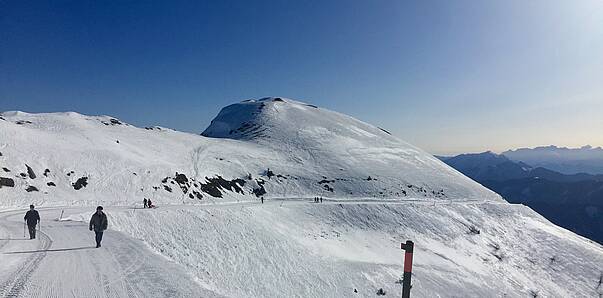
(48, 250)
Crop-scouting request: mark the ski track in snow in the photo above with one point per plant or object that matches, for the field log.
(62, 262)
(128, 269)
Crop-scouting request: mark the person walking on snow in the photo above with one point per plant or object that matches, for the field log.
(32, 217)
(99, 223)
(144, 202)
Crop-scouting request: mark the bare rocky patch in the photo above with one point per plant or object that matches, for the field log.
(8, 182)
(30, 172)
(80, 183)
(31, 188)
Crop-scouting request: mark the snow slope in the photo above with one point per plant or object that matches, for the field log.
(286, 149)
(63, 262)
(380, 191)
(326, 143)
(304, 249)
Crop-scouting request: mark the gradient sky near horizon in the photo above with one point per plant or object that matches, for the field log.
(447, 76)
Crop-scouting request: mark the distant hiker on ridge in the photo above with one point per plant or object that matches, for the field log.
(144, 202)
(99, 223)
(32, 217)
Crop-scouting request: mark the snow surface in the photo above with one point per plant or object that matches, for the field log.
(302, 144)
(63, 262)
(218, 239)
(303, 249)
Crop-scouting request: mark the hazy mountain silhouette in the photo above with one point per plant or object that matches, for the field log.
(586, 159)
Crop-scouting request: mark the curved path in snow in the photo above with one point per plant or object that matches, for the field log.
(63, 262)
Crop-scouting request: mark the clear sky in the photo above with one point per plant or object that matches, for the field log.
(447, 76)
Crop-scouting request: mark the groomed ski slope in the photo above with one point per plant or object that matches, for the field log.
(63, 262)
(212, 235)
(297, 248)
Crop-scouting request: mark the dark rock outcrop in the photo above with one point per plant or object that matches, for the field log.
(385, 131)
(269, 173)
(197, 194)
(260, 190)
(8, 182)
(323, 181)
(30, 172)
(80, 183)
(215, 184)
(112, 121)
(181, 178)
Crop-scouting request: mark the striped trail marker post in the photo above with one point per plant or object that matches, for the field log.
(408, 247)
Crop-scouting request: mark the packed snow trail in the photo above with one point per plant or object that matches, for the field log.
(62, 262)
(330, 249)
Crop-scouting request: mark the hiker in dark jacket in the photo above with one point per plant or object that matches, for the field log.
(144, 203)
(32, 217)
(99, 224)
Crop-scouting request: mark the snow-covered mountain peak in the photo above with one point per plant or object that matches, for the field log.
(251, 119)
(289, 120)
(316, 139)
(271, 146)
(379, 192)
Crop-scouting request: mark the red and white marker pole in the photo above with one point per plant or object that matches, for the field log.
(408, 247)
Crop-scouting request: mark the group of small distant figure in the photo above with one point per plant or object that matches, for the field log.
(98, 223)
(317, 199)
(147, 203)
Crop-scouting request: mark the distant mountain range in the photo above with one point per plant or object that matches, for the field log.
(572, 201)
(586, 159)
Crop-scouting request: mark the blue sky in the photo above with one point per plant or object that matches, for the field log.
(447, 76)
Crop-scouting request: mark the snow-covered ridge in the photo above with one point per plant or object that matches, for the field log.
(383, 191)
(272, 147)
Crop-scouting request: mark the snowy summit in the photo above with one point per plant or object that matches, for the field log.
(236, 215)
